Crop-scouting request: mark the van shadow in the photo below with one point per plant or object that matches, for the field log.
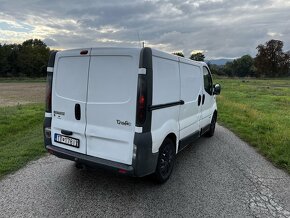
(95, 186)
(93, 177)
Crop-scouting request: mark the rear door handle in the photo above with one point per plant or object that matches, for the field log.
(199, 100)
(203, 98)
(66, 132)
(77, 111)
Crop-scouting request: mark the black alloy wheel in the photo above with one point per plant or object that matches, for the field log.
(165, 161)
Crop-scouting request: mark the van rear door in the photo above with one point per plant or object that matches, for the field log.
(69, 99)
(111, 105)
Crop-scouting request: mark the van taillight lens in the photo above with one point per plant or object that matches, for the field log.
(48, 92)
(141, 100)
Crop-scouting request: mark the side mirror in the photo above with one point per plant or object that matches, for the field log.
(217, 89)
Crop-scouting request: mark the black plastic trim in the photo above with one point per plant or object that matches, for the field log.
(145, 161)
(51, 59)
(66, 132)
(146, 62)
(46, 124)
(188, 140)
(48, 92)
(89, 160)
(161, 106)
(205, 129)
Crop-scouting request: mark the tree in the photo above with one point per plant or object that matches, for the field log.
(8, 60)
(33, 57)
(271, 60)
(197, 57)
(178, 54)
(216, 69)
(240, 67)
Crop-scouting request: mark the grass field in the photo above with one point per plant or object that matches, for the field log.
(21, 118)
(21, 136)
(258, 111)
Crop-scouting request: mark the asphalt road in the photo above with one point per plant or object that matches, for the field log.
(214, 177)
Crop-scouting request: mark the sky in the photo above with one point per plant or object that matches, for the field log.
(218, 28)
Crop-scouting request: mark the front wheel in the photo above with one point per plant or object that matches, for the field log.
(165, 161)
(211, 130)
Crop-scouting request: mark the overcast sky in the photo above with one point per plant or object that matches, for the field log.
(219, 28)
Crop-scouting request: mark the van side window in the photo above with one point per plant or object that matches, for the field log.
(207, 81)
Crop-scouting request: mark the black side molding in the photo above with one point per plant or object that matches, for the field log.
(161, 106)
(188, 140)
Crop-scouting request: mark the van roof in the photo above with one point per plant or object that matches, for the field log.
(155, 52)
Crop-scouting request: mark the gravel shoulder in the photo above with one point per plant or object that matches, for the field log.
(220, 176)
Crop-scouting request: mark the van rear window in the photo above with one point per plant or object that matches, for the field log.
(71, 78)
(111, 79)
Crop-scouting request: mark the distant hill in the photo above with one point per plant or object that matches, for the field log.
(221, 61)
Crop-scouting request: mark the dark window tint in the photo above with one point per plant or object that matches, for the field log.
(207, 81)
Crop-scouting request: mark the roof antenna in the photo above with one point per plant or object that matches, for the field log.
(139, 39)
(143, 44)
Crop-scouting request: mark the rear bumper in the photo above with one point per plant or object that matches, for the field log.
(91, 161)
(143, 164)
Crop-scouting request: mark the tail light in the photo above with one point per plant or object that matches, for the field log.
(48, 92)
(141, 100)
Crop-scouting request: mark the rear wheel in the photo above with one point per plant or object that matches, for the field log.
(211, 130)
(165, 161)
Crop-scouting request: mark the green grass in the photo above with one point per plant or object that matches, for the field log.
(258, 111)
(21, 136)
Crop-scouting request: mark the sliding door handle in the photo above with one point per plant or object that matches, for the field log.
(199, 100)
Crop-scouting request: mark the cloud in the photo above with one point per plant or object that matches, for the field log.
(221, 28)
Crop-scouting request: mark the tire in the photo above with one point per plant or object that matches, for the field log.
(165, 161)
(211, 130)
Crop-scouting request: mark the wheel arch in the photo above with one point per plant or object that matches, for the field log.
(173, 138)
(215, 113)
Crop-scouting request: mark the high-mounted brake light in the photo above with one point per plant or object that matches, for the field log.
(84, 52)
(141, 100)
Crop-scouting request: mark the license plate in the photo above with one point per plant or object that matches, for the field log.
(67, 140)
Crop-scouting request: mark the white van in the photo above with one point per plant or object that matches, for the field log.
(127, 109)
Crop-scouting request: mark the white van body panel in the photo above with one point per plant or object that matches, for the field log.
(191, 88)
(115, 129)
(166, 89)
(158, 136)
(70, 88)
(112, 93)
(209, 105)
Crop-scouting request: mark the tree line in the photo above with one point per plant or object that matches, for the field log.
(270, 61)
(28, 59)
